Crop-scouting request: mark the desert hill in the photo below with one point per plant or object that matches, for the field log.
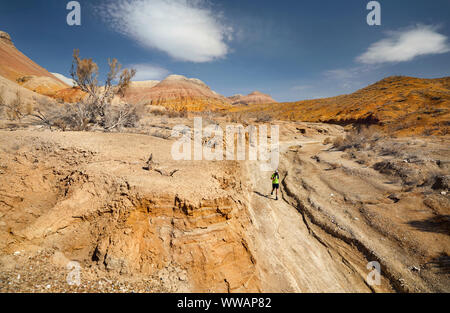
(9, 91)
(17, 67)
(177, 92)
(398, 104)
(255, 97)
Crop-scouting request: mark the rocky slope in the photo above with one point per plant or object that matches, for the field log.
(103, 210)
(17, 67)
(400, 105)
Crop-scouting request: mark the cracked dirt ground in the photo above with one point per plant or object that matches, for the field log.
(211, 226)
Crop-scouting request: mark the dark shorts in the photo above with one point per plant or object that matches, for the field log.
(275, 186)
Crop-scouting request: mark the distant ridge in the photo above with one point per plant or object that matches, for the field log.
(255, 97)
(397, 104)
(17, 67)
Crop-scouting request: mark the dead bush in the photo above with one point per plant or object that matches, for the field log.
(2, 100)
(410, 174)
(263, 118)
(174, 114)
(47, 114)
(16, 108)
(235, 118)
(340, 143)
(124, 115)
(209, 118)
(158, 112)
(392, 149)
(357, 138)
(97, 106)
(169, 113)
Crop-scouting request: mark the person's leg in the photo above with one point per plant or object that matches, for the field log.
(273, 187)
(276, 193)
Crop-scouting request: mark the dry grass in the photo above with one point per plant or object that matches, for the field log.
(357, 138)
(169, 113)
(263, 118)
(16, 108)
(403, 161)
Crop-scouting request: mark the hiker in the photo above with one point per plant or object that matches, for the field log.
(275, 183)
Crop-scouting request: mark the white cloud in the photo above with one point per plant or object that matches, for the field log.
(405, 45)
(67, 80)
(187, 30)
(148, 72)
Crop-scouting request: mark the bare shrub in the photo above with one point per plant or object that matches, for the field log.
(392, 149)
(359, 138)
(235, 118)
(159, 112)
(44, 113)
(2, 100)
(340, 143)
(172, 114)
(263, 118)
(181, 113)
(169, 113)
(409, 174)
(125, 115)
(97, 106)
(209, 118)
(16, 108)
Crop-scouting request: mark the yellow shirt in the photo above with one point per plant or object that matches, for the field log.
(275, 178)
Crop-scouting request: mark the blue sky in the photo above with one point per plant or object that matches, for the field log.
(292, 50)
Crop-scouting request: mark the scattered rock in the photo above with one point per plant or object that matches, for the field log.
(441, 182)
(414, 268)
(394, 198)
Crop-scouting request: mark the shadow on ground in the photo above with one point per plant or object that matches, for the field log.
(263, 195)
(436, 224)
(442, 263)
